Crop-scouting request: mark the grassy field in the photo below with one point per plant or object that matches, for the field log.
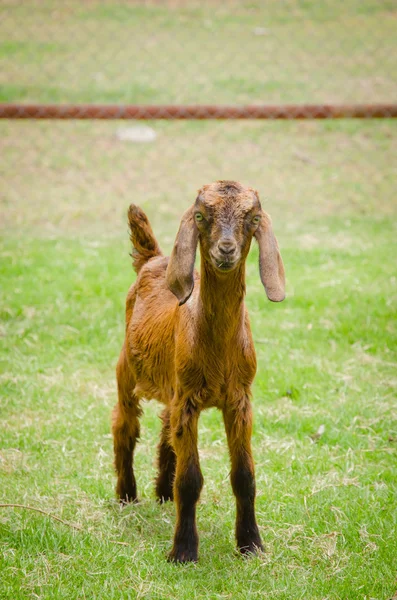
(327, 509)
(327, 504)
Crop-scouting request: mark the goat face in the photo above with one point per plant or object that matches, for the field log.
(227, 216)
(224, 218)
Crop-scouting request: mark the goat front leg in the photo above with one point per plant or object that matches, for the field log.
(188, 480)
(238, 424)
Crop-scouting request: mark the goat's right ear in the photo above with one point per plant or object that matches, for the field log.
(179, 274)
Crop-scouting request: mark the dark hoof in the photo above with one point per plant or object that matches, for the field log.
(126, 494)
(127, 500)
(164, 499)
(183, 555)
(251, 548)
(164, 495)
(164, 491)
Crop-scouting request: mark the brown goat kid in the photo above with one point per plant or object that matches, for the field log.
(188, 344)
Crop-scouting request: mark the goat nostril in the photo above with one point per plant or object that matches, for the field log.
(227, 247)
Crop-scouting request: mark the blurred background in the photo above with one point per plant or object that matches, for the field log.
(71, 177)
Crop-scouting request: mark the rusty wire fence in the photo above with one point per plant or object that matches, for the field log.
(185, 59)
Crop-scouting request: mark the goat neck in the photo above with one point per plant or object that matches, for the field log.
(221, 299)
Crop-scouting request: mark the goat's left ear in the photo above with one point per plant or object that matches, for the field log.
(179, 274)
(271, 266)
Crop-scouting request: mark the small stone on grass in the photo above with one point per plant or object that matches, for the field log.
(138, 134)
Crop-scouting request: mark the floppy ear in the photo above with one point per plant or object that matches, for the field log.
(179, 274)
(271, 266)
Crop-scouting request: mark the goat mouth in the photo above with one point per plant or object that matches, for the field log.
(223, 265)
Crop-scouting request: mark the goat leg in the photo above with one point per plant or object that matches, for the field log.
(166, 462)
(125, 429)
(187, 484)
(238, 424)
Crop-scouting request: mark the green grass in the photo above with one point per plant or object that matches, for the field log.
(326, 356)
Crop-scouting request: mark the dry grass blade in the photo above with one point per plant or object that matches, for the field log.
(47, 514)
(43, 512)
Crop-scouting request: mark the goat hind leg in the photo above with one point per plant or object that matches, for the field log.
(166, 461)
(125, 429)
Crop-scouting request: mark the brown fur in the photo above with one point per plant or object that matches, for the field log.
(189, 345)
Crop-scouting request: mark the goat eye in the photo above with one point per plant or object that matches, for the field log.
(256, 220)
(198, 216)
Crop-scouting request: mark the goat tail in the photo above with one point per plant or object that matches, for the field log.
(144, 243)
